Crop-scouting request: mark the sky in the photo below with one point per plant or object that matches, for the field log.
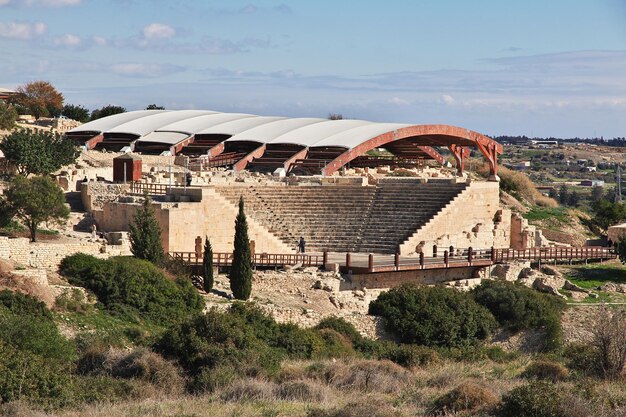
(537, 68)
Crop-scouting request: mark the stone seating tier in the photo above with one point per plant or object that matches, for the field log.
(345, 218)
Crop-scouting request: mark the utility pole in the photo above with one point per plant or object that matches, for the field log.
(618, 196)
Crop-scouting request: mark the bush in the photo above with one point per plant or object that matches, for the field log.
(133, 287)
(24, 305)
(409, 356)
(218, 339)
(433, 316)
(537, 399)
(341, 326)
(212, 379)
(517, 307)
(609, 339)
(365, 376)
(249, 390)
(26, 375)
(303, 390)
(583, 358)
(26, 324)
(546, 370)
(468, 396)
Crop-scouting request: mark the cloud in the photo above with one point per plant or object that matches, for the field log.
(67, 40)
(132, 69)
(99, 40)
(40, 3)
(448, 99)
(398, 101)
(253, 9)
(22, 30)
(155, 31)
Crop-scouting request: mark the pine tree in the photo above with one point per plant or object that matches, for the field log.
(241, 271)
(145, 233)
(207, 266)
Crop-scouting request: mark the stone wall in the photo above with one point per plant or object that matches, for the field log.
(473, 219)
(46, 255)
(386, 280)
(209, 215)
(525, 236)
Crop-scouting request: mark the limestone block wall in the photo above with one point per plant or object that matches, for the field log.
(46, 255)
(214, 217)
(210, 215)
(474, 218)
(525, 236)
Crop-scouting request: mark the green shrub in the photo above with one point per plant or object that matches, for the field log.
(24, 305)
(468, 396)
(218, 339)
(133, 288)
(334, 344)
(582, 358)
(341, 326)
(537, 399)
(409, 356)
(546, 370)
(212, 379)
(517, 307)
(433, 316)
(28, 376)
(26, 324)
(105, 389)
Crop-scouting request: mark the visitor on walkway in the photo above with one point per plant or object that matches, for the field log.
(301, 244)
(188, 178)
(93, 231)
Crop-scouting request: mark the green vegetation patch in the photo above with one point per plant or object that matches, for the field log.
(133, 288)
(593, 276)
(552, 215)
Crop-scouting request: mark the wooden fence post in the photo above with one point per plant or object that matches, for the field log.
(370, 262)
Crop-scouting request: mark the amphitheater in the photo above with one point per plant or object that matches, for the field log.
(345, 186)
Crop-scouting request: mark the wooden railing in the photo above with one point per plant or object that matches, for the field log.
(258, 259)
(151, 189)
(449, 258)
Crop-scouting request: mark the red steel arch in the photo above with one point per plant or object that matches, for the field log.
(453, 137)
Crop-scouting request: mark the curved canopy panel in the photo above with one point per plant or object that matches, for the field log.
(311, 134)
(354, 137)
(109, 122)
(168, 138)
(196, 124)
(237, 126)
(267, 132)
(145, 125)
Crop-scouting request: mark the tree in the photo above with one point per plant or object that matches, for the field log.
(607, 213)
(553, 193)
(145, 233)
(241, 271)
(39, 97)
(38, 151)
(609, 338)
(154, 107)
(8, 116)
(573, 198)
(563, 194)
(596, 193)
(76, 112)
(207, 266)
(335, 116)
(109, 110)
(34, 201)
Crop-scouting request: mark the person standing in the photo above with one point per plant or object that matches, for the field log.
(301, 244)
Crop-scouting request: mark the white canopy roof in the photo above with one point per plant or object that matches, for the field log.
(171, 127)
(196, 124)
(267, 132)
(145, 125)
(109, 122)
(237, 126)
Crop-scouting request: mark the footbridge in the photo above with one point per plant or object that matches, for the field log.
(361, 263)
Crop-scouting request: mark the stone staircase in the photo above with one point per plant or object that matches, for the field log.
(344, 218)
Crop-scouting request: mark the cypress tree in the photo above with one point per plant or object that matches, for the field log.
(207, 266)
(145, 233)
(241, 270)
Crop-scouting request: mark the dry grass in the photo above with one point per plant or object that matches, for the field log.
(524, 187)
(356, 388)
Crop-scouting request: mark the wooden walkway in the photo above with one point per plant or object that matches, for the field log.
(360, 263)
